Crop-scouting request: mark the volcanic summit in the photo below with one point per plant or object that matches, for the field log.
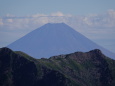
(54, 39)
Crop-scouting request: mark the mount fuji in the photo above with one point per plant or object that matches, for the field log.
(55, 39)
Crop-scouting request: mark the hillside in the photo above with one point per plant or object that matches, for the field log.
(76, 69)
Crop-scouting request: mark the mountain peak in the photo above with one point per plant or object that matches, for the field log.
(96, 50)
(55, 24)
(54, 39)
(5, 49)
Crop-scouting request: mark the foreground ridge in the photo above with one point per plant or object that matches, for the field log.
(76, 69)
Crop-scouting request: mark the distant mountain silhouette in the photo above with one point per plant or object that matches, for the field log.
(55, 39)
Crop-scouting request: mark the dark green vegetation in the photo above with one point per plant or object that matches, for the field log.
(77, 69)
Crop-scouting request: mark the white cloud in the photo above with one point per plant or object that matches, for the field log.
(39, 15)
(34, 21)
(111, 13)
(57, 14)
(87, 21)
(102, 20)
(1, 23)
(10, 20)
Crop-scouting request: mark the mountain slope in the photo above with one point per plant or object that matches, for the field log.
(77, 69)
(55, 39)
(16, 70)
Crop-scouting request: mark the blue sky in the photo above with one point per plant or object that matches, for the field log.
(93, 18)
(74, 7)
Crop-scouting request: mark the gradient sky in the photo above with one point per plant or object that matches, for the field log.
(74, 7)
(96, 12)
